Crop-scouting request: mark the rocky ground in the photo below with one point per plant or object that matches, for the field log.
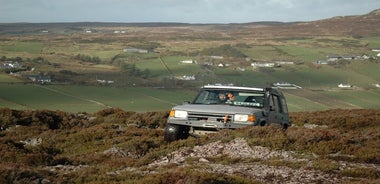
(238, 148)
(257, 170)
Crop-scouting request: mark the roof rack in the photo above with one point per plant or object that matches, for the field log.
(233, 87)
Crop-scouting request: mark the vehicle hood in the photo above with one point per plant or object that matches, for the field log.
(217, 108)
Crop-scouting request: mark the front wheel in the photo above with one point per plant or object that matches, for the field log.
(176, 132)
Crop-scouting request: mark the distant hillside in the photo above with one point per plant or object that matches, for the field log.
(367, 24)
(357, 25)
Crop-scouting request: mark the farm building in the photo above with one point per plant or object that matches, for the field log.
(263, 65)
(286, 85)
(322, 62)
(10, 64)
(346, 86)
(189, 62)
(334, 57)
(135, 50)
(41, 79)
(284, 62)
(186, 77)
(216, 57)
(339, 57)
(348, 57)
(118, 32)
(100, 81)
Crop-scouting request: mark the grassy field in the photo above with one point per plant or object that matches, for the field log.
(363, 99)
(18, 46)
(5, 78)
(89, 98)
(297, 103)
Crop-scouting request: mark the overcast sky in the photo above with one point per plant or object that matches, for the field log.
(186, 11)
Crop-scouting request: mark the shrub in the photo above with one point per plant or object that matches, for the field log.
(361, 172)
(191, 176)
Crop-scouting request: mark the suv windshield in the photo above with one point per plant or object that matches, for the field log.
(230, 97)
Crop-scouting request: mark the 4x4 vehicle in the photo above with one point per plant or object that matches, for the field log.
(227, 107)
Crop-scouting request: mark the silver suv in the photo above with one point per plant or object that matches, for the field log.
(219, 107)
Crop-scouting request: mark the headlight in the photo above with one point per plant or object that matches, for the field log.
(178, 114)
(244, 118)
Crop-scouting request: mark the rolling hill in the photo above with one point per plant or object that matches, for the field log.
(81, 54)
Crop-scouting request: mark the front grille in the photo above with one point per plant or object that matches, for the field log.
(209, 117)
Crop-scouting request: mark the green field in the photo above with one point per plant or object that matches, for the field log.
(5, 78)
(29, 47)
(362, 99)
(296, 103)
(89, 98)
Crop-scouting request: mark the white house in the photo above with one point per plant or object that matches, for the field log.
(216, 57)
(263, 65)
(322, 62)
(284, 62)
(221, 65)
(345, 85)
(105, 81)
(286, 85)
(348, 57)
(334, 57)
(135, 50)
(186, 77)
(10, 64)
(41, 79)
(189, 62)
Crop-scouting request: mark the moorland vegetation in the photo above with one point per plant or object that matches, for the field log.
(116, 146)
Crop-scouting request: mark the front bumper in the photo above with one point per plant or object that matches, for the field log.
(209, 124)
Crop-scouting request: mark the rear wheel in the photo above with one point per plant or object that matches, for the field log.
(285, 126)
(176, 132)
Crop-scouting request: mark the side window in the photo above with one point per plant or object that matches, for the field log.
(275, 103)
(284, 106)
(271, 103)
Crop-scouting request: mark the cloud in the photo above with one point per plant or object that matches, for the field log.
(281, 3)
(194, 11)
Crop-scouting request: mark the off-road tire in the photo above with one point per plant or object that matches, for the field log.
(175, 132)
